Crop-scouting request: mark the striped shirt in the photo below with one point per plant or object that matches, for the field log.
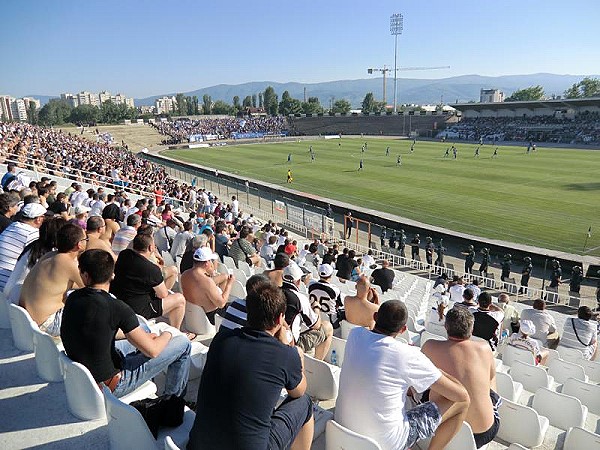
(235, 315)
(122, 239)
(12, 242)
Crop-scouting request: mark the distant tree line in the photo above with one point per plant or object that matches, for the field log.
(58, 111)
(588, 87)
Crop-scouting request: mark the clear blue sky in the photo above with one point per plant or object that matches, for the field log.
(149, 47)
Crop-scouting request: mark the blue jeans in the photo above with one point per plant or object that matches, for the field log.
(138, 368)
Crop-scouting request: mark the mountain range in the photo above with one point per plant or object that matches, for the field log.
(462, 88)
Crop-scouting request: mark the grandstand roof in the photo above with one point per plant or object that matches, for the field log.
(572, 103)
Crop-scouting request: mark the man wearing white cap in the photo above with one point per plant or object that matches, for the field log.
(302, 317)
(523, 341)
(327, 296)
(17, 236)
(81, 216)
(203, 286)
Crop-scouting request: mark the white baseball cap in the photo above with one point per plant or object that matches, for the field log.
(81, 210)
(205, 254)
(33, 210)
(527, 327)
(292, 273)
(325, 270)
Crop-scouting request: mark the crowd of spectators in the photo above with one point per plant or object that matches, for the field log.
(223, 128)
(584, 128)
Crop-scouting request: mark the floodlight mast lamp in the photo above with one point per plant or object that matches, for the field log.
(396, 26)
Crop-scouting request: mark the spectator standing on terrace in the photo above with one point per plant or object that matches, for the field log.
(203, 286)
(456, 289)
(259, 365)
(545, 326)
(472, 364)
(139, 282)
(222, 240)
(9, 205)
(376, 408)
(581, 332)
(45, 288)
(164, 237)
(93, 318)
(17, 236)
(361, 307)
(235, 206)
(511, 314)
(181, 241)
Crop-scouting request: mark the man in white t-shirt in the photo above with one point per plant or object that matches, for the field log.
(235, 206)
(378, 373)
(456, 290)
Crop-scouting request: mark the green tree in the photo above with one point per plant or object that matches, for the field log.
(261, 100)
(531, 93)
(32, 114)
(85, 114)
(341, 106)
(221, 107)
(312, 106)
(247, 102)
(109, 112)
(236, 104)
(55, 112)
(254, 101)
(195, 104)
(289, 105)
(588, 87)
(181, 104)
(270, 101)
(368, 104)
(206, 104)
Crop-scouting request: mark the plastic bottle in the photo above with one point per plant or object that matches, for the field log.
(334, 359)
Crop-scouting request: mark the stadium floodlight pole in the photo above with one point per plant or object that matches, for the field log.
(396, 26)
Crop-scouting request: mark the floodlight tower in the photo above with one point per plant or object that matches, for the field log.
(396, 26)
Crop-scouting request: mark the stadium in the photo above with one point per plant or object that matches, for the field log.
(411, 277)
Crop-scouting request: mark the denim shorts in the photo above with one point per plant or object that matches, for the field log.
(287, 420)
(423, 421)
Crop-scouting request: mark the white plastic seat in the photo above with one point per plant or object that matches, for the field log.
(592, 370)
(463, 440)
(436, 328)
(570, 354)
(84, 399)
(507, 387)
(229, 262)
(426, 335)
(169, 261)
(4, 319)
(239, 275)
(515, 446)
(521, 424)
(221, 268)
(580, 439)
(245, 267)
(198, 356)
(346, 328)
(530, 376)
(563, 411)
(196, 320)
(237, 289)
(218, 322)
(561, 370)
(22, 326)
(511, 354)
(322, 379)
(338, 437)
(169, 444)
(47, 356)
(587, 393)
(339, 345)
(127, 429)
(413, 326)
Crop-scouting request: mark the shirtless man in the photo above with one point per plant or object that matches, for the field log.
(95, 230)
(281, 261)
(111, 214)
(44, 290)
(472, 364)
(361, 307)
(203, 286)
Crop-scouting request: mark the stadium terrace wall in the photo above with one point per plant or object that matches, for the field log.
(426, 125)
(229, 184)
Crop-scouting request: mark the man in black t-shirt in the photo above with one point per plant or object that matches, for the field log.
(140, 283)
(92, 320)
(346, 265)
(383, 277)
(245, 371)
(60, 206)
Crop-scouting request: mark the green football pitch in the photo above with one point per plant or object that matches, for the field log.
(548, 198)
